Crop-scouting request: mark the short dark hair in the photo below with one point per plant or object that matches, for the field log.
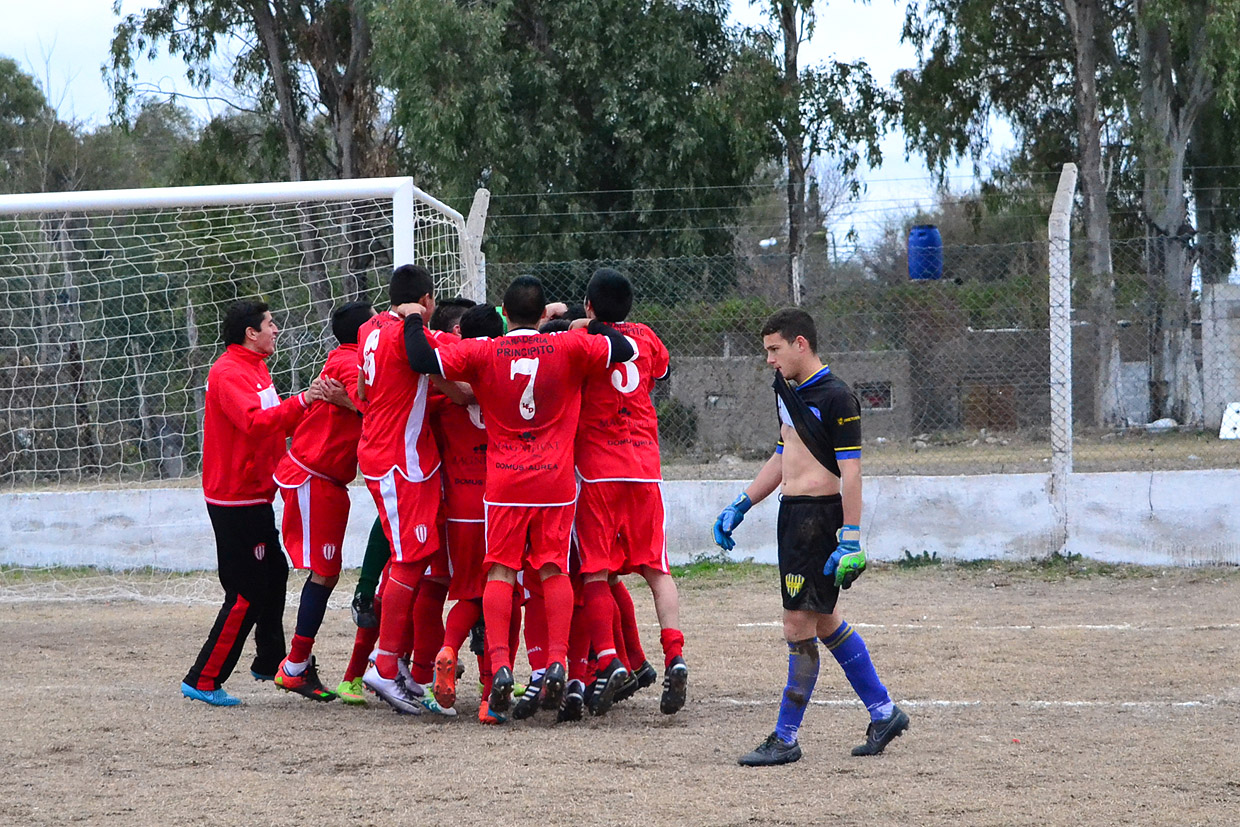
(449, 312)
(555, 326)
(525, 300)
(347, 319)
(790, 323)
(482, 320)
(240, 317)
(409, 283)
(610, 294)
(576, 310)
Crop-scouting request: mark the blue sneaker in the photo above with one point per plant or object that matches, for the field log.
(258, 676)
(215, 697)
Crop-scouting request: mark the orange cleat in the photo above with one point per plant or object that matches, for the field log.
(445, 677)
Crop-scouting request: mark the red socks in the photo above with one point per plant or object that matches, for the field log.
(394, 623)
(299, 649)
(461, 618)
(428, 628)
(579, 646)
(558, 605)
(497, 613)
(536, 631)
(673, 645)
(600, 611)
(628, 622)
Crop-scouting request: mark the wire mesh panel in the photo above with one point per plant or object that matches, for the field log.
(109, 320)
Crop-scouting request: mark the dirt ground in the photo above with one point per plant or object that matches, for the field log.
(1036, 699)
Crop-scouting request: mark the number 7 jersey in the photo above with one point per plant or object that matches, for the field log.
(618, 437)
(529, 387)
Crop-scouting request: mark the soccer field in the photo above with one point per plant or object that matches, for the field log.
(1037, 697)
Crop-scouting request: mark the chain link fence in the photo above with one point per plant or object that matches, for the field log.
(954, 373)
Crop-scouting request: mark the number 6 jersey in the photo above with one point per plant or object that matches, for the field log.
(529, 387)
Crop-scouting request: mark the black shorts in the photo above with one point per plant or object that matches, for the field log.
(806, 537)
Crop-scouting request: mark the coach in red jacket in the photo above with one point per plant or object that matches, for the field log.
(245, 428)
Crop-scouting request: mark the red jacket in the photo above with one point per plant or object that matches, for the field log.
(244, 429)
(325, 443)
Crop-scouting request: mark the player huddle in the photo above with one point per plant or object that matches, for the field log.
(515, 470)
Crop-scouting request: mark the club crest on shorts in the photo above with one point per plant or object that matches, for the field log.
(260, 551)
(420, 532)
(329, 551)
(793, 583)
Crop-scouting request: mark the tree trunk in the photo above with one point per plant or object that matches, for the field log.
(1083, 19)
(1172, 97)
(794, 142)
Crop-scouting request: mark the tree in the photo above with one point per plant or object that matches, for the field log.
(605, 128)
(835, 109)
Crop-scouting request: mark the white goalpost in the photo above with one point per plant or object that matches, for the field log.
(110, 304)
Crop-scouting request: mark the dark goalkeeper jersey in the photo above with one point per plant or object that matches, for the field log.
(835, 405)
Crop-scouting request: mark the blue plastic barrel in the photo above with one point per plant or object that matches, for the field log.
(925, 253)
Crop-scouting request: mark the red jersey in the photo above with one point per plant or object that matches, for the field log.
(244, 429)
(618, 438)
(462, 438)
(325, 443)
(529, 387)
(394, 429)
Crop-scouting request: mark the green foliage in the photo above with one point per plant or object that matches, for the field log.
(621, 117)
(918, 561)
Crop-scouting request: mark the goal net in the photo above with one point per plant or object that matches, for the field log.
(110, 307)
(110, 310)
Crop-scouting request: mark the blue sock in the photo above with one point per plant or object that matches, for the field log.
(313, 607)
(802, 675)
(849, 650)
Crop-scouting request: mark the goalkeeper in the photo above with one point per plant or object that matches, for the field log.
(817, 467)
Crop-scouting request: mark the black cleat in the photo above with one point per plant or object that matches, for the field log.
(364, 615)
(770, 753)
(627, 689)
(527, 704)
(553, 686)
(881, 733)
(675, 687)
(574, 702)
(646, 675)
(478, 639)
(501, 690)
(607, 681)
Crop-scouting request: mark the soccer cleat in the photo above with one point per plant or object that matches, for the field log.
(553, 685)
(527, 704)
(675, 686)
(431, 705)
(460, 670)
(574, 702)
(416, 689)
(444, 685)
(364, 615)
(215, 697)
(501, 690)
(352, 692)
(627, 689)
(307, 684)
(607, 681)
(394, 691)
(646, 675)
(261, 676)
(486, 716)
(771, 752)
(881, 733)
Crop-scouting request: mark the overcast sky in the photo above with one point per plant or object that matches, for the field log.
(64, 43)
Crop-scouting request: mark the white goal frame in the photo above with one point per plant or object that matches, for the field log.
(400, 190)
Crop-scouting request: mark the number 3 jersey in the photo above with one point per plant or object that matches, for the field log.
(394, 428)
(618, 436)
(529, 387)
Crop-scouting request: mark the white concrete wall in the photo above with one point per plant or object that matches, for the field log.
(1160, 518)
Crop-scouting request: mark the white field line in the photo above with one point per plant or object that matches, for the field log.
(923, 703)
(1049, 627)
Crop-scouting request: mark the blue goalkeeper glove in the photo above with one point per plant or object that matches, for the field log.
(729, 519)
(848, 560)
